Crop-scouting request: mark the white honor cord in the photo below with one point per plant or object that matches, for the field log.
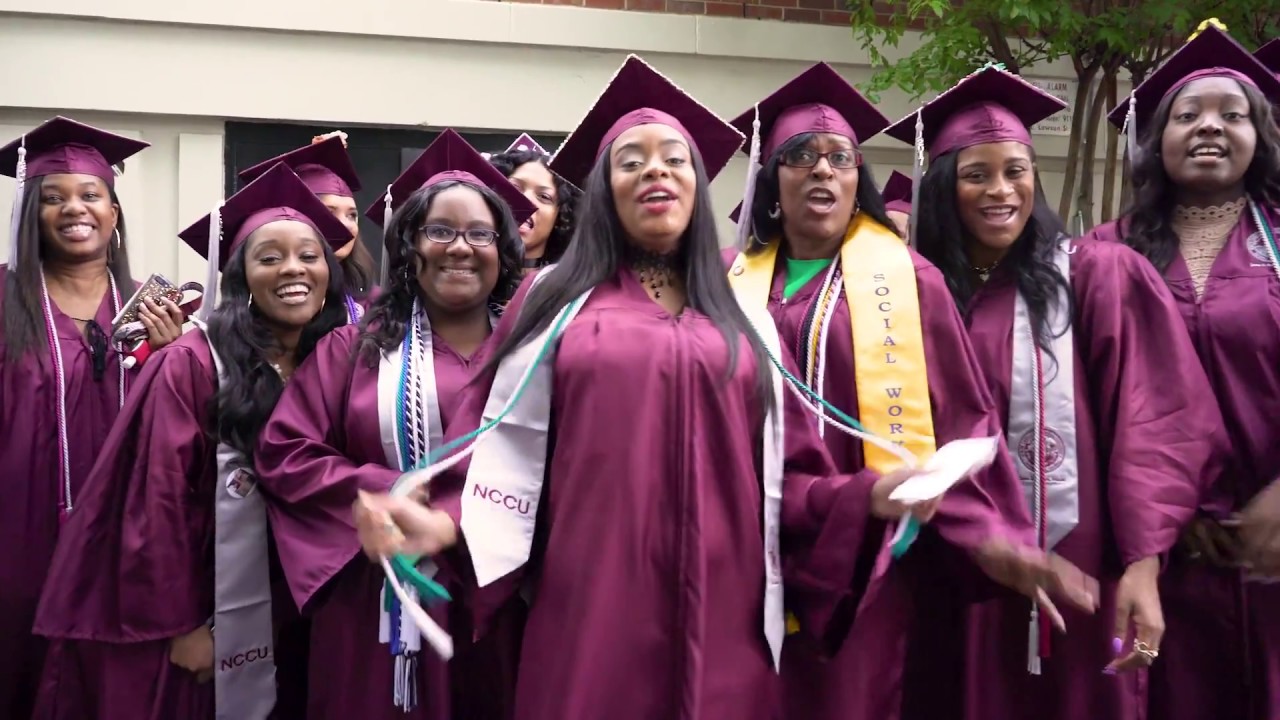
(435, 636)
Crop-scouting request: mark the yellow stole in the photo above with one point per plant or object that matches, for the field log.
(888, 344)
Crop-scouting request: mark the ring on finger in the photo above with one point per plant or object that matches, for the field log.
(1145, 650)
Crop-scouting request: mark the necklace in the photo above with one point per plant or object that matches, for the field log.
(984, 273)
(655, 270)
(279, 371)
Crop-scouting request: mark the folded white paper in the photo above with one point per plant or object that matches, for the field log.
(952, 463)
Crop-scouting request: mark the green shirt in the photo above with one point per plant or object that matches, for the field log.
(800, 272)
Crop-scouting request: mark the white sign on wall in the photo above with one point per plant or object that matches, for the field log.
(1058, 123)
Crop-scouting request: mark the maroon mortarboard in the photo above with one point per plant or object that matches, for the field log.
(897, 193)
(449, 158)
(525, 143)
(62, 145)
(988, 106)
(277, 194)
(817, 100)
(736, 214)
(639, 95)
(1269, 55)
(1211, 52)
(324, 166)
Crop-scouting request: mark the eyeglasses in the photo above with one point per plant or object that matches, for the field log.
(445, 235)
(838, 159)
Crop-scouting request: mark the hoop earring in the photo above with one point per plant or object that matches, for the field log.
(116, 230)
(250, 303)
(776, 212)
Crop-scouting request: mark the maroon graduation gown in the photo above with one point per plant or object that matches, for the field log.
(30, 483)
(134, 566)
(1143, 439)
(647, 571)
(321, 445)
(1221, 654)
(864, 679)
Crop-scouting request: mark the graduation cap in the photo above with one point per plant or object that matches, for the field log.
(1269, 55)
(525, 143)
(324, 166)
(897, 193)
(448, 158)
(277, 194)
(62, 145)
(639, 95)
(817, 100)
(990, 105)
(1210, 52)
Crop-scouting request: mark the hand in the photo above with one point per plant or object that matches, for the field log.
(1215, 542)
(193, 652)
(390, 526)
(1040, 576)
(162, 321)
(1260, 532)
(886, 509)
(1138, 616)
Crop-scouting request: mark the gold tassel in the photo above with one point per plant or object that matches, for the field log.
(1211, 22)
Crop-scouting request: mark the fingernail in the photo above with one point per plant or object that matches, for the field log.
(1116, 646)
(1108, 671)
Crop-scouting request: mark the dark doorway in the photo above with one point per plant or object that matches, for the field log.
(378, 154)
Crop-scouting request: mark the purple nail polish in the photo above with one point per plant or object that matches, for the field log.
(1116, 646)
(1108, 671)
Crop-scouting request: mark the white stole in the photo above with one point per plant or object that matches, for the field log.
(1041, 431)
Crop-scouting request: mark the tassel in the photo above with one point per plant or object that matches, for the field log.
(749, 190)
(16, 215)
(917, 172)
(1131, 128)
(1033, 642)
(214, 255)
(385, 269)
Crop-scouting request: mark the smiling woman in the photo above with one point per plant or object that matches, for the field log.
(173, 486)
(62, 381)
(546, 234)
(1095, 382)
(370, 405)
(1206, 207)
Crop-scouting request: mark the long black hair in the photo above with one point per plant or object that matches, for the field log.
(566, 198)
(24, 323)
(942, 238)
(1147, 224)
(599, 249)
(383, 327)
(358, 274)
(765, 229)
(242, 338)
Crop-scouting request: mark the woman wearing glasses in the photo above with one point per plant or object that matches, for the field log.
(368, 405)
(876, 333)
(61, 379)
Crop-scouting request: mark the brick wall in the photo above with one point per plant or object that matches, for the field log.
(826, 12)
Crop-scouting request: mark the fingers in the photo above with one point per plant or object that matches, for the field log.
(1073, 585)
(1050, 610)
(173, 312)
(378, 534)
(1207, 538)
(925, 511)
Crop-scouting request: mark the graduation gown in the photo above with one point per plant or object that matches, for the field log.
(1221, 655)
(30, 482)
(134, 566)
(864, 679)
(322, 444)
(646, 574)
(1144, 437)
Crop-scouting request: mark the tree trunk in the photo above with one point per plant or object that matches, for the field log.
(1110, 83)
(1084, 78)
(1089, 153)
